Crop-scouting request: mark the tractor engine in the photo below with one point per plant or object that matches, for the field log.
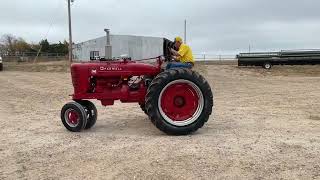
(100, 84)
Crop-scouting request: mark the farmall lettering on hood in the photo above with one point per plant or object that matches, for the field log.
(103, 68)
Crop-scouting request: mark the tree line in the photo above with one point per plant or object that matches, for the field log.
(12, 45)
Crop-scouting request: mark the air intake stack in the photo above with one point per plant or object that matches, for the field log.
(108, 48)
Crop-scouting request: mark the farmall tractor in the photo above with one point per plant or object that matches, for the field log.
(178, 101)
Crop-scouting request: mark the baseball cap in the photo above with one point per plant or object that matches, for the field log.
(178, 39)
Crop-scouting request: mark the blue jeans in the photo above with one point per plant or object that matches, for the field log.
(179, 65)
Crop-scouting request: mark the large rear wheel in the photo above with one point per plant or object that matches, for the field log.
(143, 108)
(179, 101)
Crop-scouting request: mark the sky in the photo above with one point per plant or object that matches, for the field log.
(214, 26)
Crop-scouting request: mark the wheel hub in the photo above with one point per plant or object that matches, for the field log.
(72, 117)
(181, 102)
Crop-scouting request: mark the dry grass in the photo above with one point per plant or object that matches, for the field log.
(54, 66)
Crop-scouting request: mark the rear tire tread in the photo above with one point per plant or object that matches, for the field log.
(159, 82)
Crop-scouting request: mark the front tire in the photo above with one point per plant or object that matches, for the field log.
(92, 113)
(73, 116)
(179, 101)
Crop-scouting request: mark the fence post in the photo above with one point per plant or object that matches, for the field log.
(23, 57)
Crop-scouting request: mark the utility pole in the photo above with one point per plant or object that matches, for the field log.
(185, 31)
(70, 30)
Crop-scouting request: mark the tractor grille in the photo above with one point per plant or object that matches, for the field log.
(75, 77)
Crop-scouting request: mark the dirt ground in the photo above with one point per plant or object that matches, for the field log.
(266, 125)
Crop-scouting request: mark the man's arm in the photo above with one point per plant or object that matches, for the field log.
(176, 56)
(174, 52)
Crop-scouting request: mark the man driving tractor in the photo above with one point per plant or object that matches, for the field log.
(183, 57)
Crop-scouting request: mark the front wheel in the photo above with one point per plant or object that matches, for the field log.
(73, 116)
(92, 113)
(179, 101)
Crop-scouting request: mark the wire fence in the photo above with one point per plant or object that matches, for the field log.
(33, 56)
(214, 57)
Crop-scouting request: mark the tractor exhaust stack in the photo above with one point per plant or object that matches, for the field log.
(108, 48)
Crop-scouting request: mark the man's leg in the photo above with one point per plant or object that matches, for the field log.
(168, 66)
(179, 65)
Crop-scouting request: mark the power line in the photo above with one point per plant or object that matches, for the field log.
(52, 21)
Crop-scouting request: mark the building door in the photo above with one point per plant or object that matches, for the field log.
(94, 55)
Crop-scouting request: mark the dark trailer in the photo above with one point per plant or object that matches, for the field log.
(287, 57)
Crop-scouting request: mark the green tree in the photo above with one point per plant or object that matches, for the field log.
(65, 47)
(45, 46)
(34, 47)
(60, 48)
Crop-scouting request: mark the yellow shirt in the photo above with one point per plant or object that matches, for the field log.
(185, 54)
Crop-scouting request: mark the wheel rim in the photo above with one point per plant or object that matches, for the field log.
(181, 102)
(267, 66)
(72, 117)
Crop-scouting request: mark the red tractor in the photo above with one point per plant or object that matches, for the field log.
(177, 101)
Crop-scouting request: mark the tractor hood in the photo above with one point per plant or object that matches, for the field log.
(115, 68)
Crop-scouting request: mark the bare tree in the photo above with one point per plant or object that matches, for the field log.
(8, 41)
(2, 49)
(21, 46)
(14, 45)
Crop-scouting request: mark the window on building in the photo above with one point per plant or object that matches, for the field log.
(94, 55)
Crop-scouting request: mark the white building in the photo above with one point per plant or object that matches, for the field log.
(136, 47)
